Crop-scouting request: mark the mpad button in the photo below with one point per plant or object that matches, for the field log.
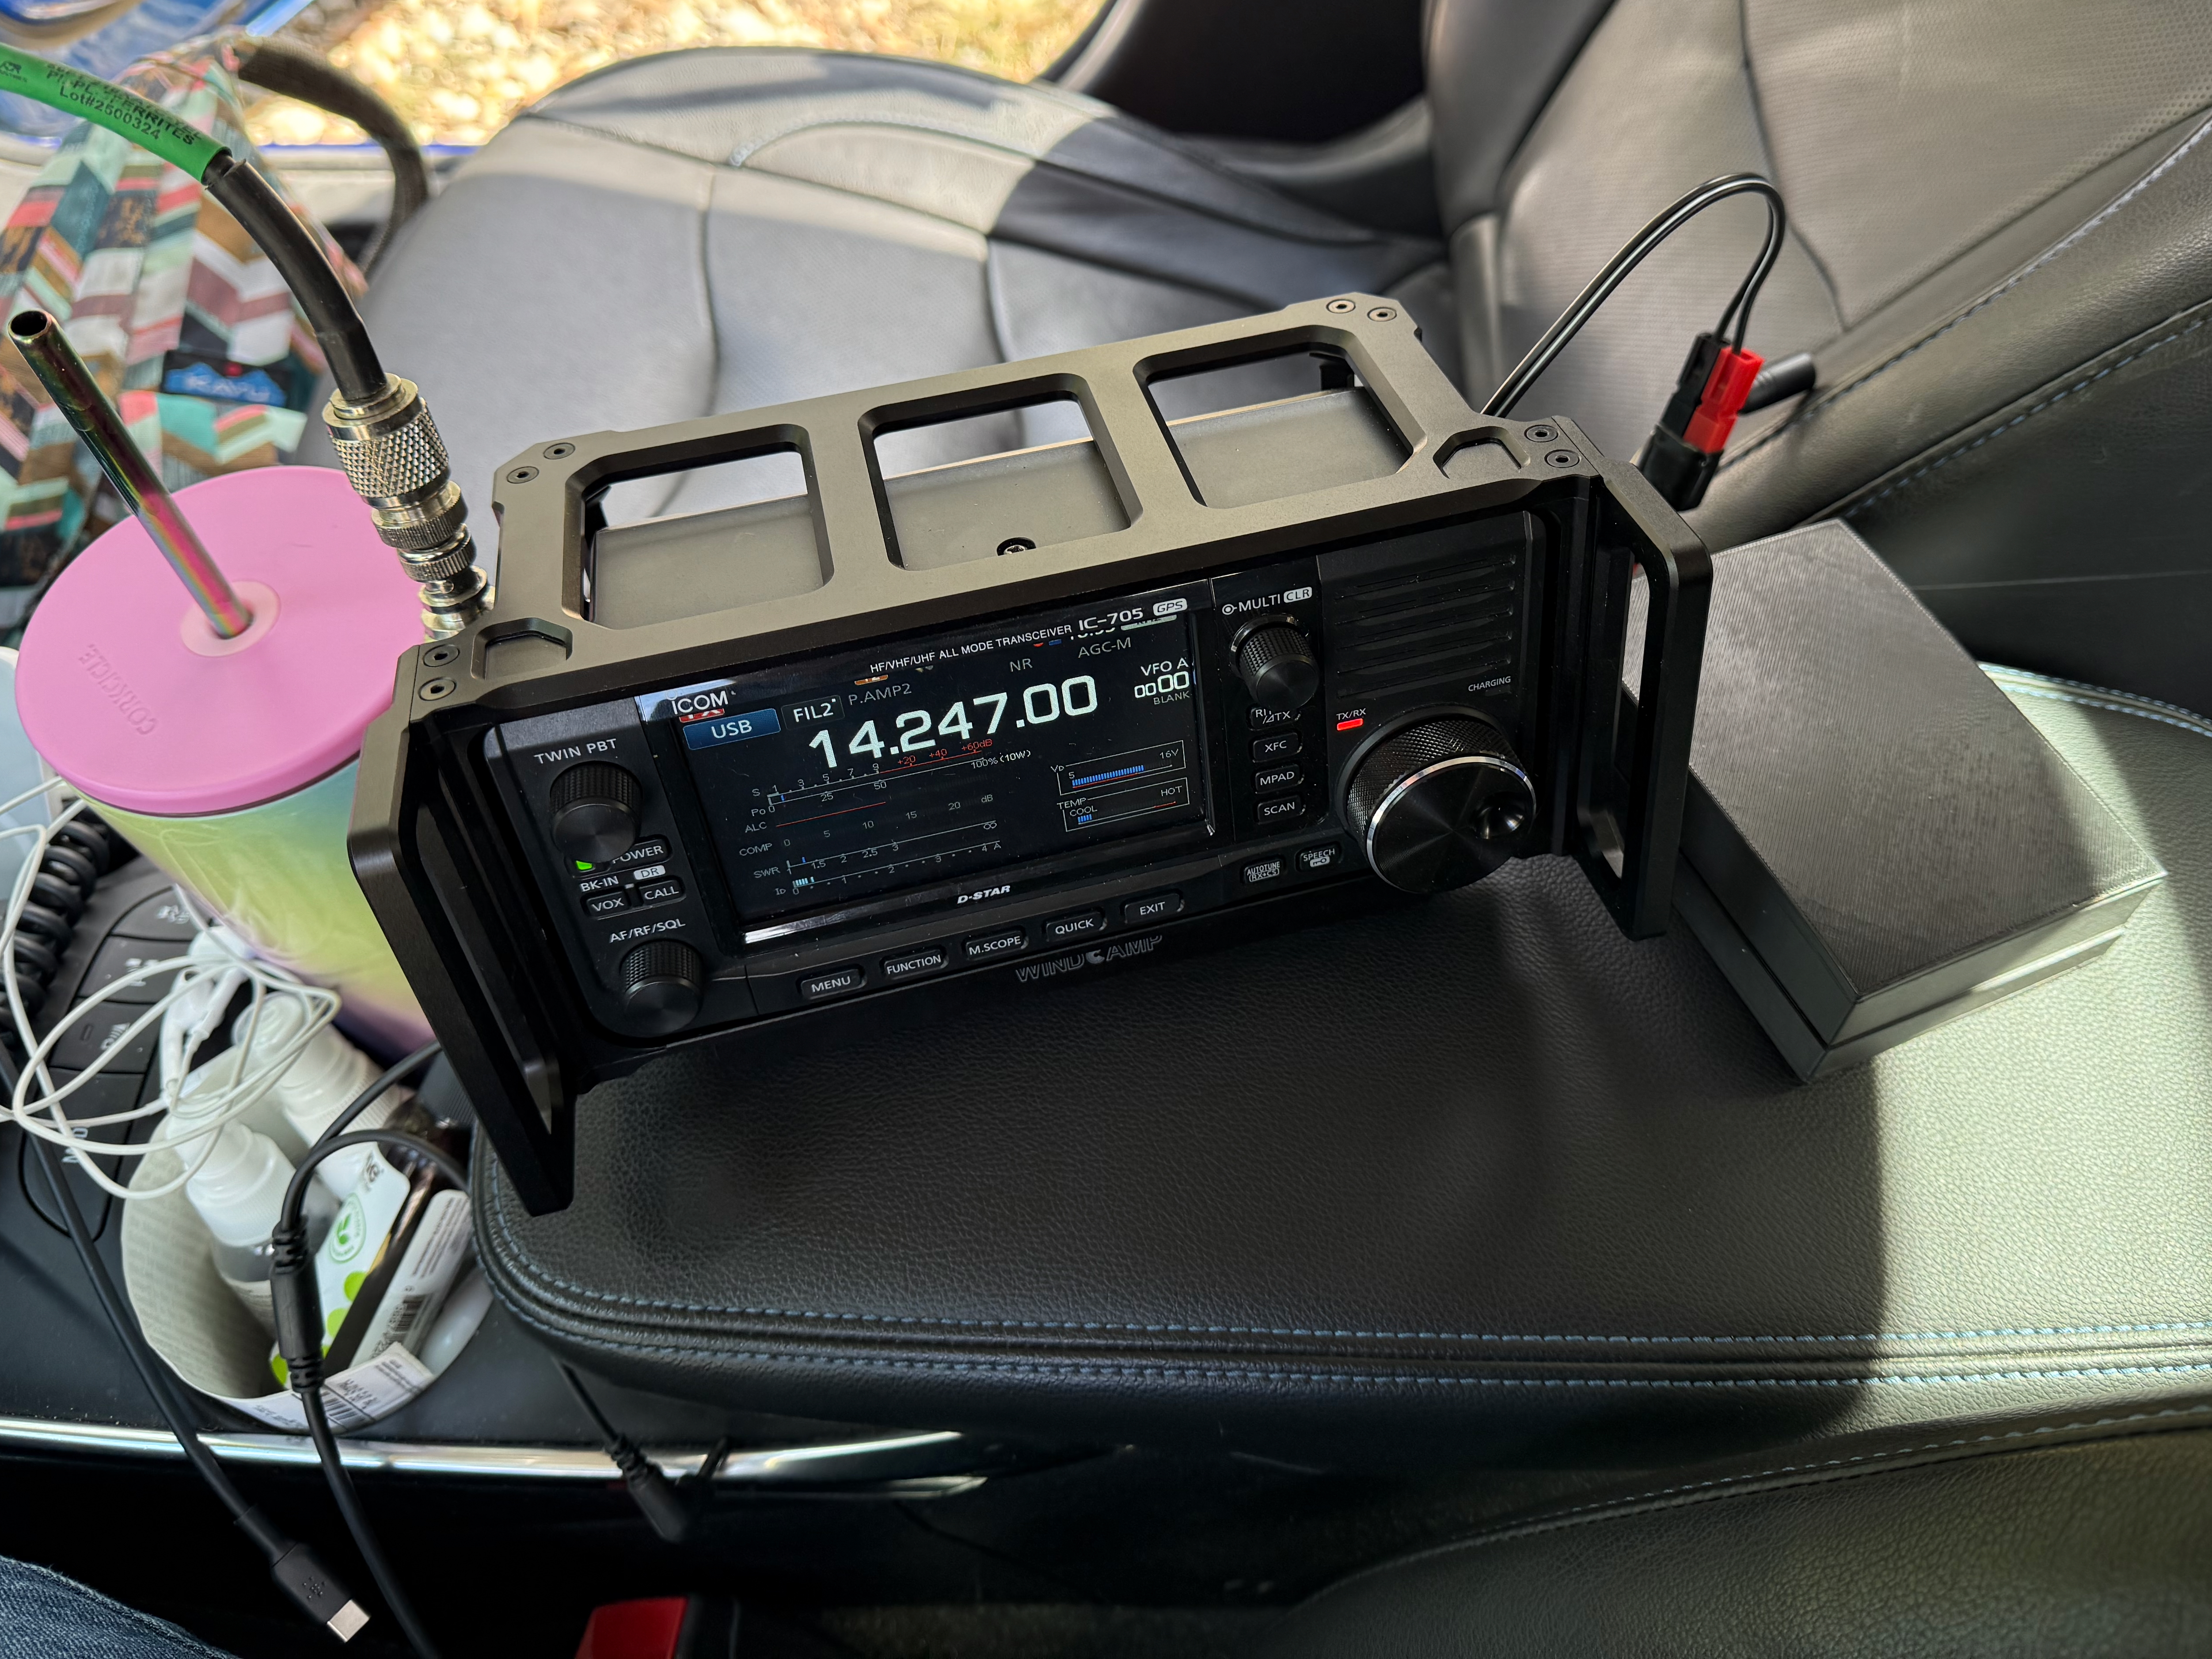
(835, 983)
(987, 947)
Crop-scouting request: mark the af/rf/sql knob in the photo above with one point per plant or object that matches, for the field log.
(1441, 804)
(1277, 666)
(594, 811)
(662, 983)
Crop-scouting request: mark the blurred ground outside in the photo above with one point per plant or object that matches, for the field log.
(457, 70)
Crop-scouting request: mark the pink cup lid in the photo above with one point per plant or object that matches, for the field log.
(129, 694)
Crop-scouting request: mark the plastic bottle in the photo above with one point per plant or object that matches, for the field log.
(203, 1095)
(239, 1192)
(327, 1076)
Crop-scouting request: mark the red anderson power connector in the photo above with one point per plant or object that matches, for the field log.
(1685, 448)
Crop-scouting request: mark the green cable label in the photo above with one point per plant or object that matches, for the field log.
(58, 85)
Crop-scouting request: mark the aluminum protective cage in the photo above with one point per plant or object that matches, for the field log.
(440, 865)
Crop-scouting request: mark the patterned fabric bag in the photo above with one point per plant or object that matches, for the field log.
(175, 311)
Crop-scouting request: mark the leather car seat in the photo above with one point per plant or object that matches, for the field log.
(2032, 1539)
(1998, 258)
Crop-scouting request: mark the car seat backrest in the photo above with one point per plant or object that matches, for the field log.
(1932, 152)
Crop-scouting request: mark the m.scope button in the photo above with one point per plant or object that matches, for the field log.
(986, 947)
(1081, 923)
(1157, 907)
(912, 964)
(835, 983)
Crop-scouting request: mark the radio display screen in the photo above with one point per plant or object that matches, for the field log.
(858, 774)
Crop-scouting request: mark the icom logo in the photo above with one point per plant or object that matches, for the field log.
(982, 893)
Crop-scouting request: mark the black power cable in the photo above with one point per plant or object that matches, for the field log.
(297, 1304)
(1632, 254)
(294, 1565)
(292, 248)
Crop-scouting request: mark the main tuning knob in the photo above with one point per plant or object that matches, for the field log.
(662, 984)
(1440, 804)
(1277, 666)
(594, 811)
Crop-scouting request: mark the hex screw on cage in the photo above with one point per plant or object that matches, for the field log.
(1540, 435)
(522, 475)
(436, 689)
(1384, 314)
(438, 656)
(1563, 457)
(555, 451)
(1340, 308)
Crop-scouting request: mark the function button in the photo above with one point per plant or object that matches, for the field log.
(1083, 922)
(835, 983)
(605, 884)
(119, 956)
(1265, 719)
(1316, 860)
(1279, 810)
(1157, 907)
(159, 917)
(646, 852)
(605, 904)
(912, 964)
(1260, 872)
(659, 892)
(1277, 777)
(986, 947)
(1281, 746)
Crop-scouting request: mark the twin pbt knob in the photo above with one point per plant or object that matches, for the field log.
(1440, 804)
(1277, 666)
(595, 812)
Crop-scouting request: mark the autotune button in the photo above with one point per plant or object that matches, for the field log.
(1079, 925)
(912, 964)
(835, 983)
(1260, 872)
(986, 947)
(1156, 907)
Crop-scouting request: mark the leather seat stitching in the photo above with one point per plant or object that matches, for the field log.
(519, 1260)
(1253, 1374)
(1990, 298)
(2184, 720)
(2052, 402)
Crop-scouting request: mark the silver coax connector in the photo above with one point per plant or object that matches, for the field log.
(391, 450)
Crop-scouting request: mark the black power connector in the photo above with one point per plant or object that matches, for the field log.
(671, 1507)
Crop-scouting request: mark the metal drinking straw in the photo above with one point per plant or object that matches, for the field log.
(47, 349)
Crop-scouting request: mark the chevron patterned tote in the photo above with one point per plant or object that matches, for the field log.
(183, 321)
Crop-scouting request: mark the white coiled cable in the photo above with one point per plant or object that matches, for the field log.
(217, 965)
